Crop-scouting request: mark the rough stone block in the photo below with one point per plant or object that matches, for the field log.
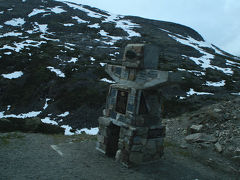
(104, 121)
(151, 146)
(136, 148)
(100, 138)
(142, 131)
(137, 140)
(196, 128)
(136, 157)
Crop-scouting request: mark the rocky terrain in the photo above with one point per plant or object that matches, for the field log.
(211, 135)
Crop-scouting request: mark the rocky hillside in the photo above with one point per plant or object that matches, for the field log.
(52, 55)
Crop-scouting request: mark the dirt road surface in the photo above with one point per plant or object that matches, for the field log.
(39, 156)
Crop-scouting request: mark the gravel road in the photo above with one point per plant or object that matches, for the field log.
(39, 156)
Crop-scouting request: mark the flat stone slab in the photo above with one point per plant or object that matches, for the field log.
(200, 137)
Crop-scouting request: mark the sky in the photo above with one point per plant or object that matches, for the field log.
(218, 21)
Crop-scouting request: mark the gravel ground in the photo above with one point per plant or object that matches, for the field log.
(38, 156)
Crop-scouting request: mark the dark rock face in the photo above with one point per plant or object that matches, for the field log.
(28, 125)
(59, 47)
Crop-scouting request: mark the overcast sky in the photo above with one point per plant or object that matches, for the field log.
(218, 21)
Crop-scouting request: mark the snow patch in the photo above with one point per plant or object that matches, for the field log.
(92, 131)
(68, 24)
(21, 45)
(197, 73)
(46, 103)
(102, 64)
(74, 60)
(15, 22)
(47, 120)
(14, 75)
(57, 10)
(36, 11)
(96, 25)
(10, 34)
(205, 60)
(107, 80)
(79, 20)
(63, 114)
(92, 59)
(192, 92)
(67, 130)
(80, 7)
(216, 84)
(22, 115)
(58, 72)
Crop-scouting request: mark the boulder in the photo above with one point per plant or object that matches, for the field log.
(200, 137)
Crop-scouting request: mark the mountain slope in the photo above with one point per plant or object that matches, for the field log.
(52, 55)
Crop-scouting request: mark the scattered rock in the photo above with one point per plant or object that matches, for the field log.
(200, 137)
(196, 128)
(218, 147)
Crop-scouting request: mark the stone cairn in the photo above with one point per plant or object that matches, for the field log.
(130, 129)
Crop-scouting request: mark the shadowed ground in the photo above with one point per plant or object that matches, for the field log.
(38, 156)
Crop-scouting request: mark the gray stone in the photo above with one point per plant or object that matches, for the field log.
(151, 146)
(136, 148)
(142, 131)
(136, 157)
(100, 138)
(218, 147)
(118, 156)
(200, 137)
(196, 128)
(104, 121)
(237, 151)
(137, 140)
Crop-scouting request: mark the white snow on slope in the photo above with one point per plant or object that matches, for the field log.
(14, 75)
(15, 22)
(197, 73)
(68, 24)
(73, 60)
(79, 20)
(47, 120)
(192, 92)
(92, 131)
(1, 26)
(107, 80)
(205, 60)
(1, 12)
(57, 10)
(112, 40)
(80, 7)
(96, 25)
(21, 45)
(124, 24)
(63, 114)
(46, 103)
(42, 27)
(10, 34)
(58, 72)
(216, 84)
(22, 115)
(36, 11)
